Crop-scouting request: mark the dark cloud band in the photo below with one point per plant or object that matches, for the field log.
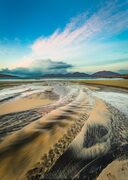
(40, 67)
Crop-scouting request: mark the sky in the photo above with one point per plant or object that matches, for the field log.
(60, 36)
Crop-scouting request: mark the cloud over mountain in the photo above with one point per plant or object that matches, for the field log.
(39, 67)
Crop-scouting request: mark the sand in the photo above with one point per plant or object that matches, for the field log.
(112, 83)
(13, 83)
(65, 168)
(123, 83)
(23, 104)
(117, 170)
(30, 152)
(30, 147)
(102, 133)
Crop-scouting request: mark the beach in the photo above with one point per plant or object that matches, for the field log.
(51, 130)
(112, 83)
(63, 90)
(26, 103)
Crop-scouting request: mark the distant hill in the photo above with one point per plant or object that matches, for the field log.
(99, 74)
(7, 76)
(105, 74)
(71, 75)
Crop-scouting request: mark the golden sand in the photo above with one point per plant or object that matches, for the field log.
(117, 170)
(113, 83)
(24, 104)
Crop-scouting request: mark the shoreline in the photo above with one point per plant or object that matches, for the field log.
(123, 84)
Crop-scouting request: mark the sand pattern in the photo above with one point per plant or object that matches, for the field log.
(31, 147)
(103, 138)
(14, 121)
(75, 137)
(49, 159)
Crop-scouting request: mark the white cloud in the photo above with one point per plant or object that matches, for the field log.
(81, 37)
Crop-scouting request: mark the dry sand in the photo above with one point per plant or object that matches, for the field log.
(112, 83)
(117, 170)
(23, 104)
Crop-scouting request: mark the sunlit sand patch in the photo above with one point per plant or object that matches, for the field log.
(117, 170)
(26, 103)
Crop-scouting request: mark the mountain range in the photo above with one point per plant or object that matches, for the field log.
(99, 74)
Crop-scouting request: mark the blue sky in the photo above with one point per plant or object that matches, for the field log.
(82, 35)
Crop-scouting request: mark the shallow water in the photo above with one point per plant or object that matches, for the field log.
(58, 79)
(118, 100)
